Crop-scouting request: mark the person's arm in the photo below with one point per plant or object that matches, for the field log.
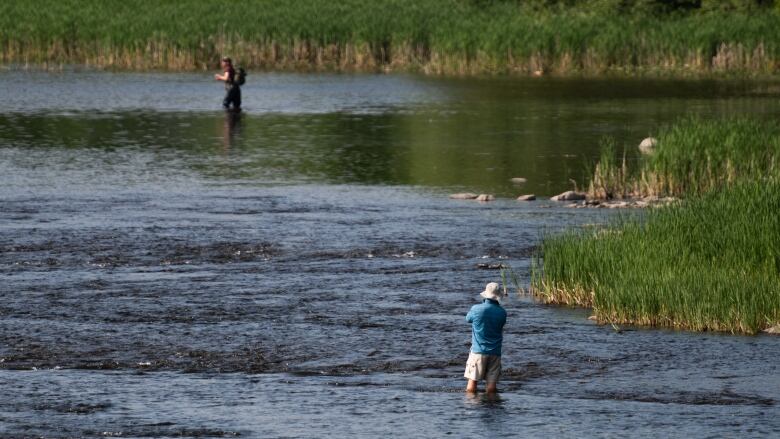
(222, 77)
(470, 315)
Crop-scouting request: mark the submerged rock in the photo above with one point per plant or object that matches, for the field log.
(464, 196)
(648, 145)
(529, 197)
(485, 197)
(569, 196)
(518, 180)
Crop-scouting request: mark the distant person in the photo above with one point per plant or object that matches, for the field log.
(487, 325)
(232, 86)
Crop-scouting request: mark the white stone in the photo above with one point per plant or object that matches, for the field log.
(518, 180)
(773, 330)
(464, 196)
(648, 145)
(569, 196)
(485, 197)
(529, 197)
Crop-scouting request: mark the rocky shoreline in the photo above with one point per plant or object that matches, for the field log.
(625, 203)
(577, 200)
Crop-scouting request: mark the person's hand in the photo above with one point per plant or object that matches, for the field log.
(216, 77)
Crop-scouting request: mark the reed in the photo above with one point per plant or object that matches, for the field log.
(432, 36)
(711, 263)
(692, 157)
(509, 280)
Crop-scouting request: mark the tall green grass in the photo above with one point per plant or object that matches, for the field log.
(711, 263)
(436, 36)
(692, 157)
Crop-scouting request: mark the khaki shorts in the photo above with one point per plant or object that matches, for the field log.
(487, 367)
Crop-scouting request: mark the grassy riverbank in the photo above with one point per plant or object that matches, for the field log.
(710, 262)
(434, 36)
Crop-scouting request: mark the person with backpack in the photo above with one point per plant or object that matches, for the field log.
(233, 80)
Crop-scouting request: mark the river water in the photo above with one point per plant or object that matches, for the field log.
(168, 270)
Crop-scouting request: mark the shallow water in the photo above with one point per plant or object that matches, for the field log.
(168, 270)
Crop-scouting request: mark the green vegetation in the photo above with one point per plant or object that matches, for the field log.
(692, 157)
(435, 36)
(710, 262)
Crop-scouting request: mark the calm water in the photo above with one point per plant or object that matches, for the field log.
(298, 271)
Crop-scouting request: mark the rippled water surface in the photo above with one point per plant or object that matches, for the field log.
(168, 270)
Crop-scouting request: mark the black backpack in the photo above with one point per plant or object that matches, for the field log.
(240, 76)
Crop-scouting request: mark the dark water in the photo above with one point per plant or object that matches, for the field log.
(168, 271)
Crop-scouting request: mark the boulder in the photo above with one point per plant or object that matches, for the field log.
(529, 197)
(569, 196)
(648, 145)
(518, 180)
(464, 196)
(485, 197)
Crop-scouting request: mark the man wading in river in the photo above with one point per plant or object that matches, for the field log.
(487, 325)
(232, 87)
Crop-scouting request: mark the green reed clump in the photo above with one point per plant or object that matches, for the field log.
(437, 36)
(692, 157)
(710, 263)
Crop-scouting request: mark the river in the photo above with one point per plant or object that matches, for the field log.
(167, 270)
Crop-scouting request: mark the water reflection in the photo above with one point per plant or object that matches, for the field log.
(231, 130)
(483, 399)
(470, 134)
(126, 266)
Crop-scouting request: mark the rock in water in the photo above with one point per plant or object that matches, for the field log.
(569, 196)
(648, 145)
(490, 266)
(485, 197)
(464, 196)
(518, 180)
(529, 197)
(773, 330)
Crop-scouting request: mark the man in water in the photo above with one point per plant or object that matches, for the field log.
(232, 89)
(487, 325)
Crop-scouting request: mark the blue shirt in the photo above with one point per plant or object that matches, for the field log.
(487, 324)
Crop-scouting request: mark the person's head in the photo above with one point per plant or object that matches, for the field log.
(226, 61)
(491, 292)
